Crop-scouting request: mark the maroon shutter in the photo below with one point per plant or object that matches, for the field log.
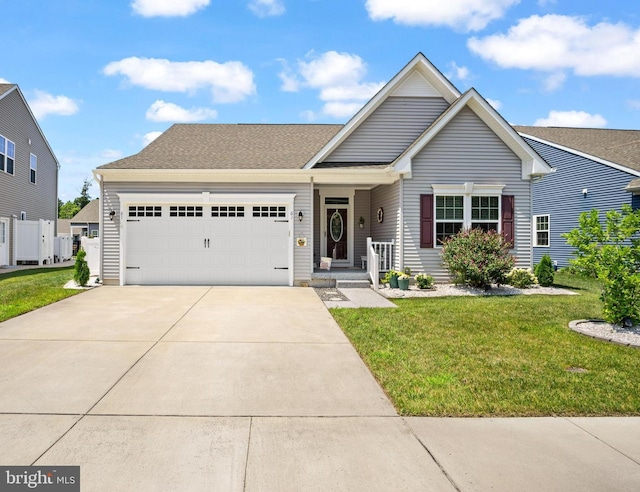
(426, 221)
(507, 218)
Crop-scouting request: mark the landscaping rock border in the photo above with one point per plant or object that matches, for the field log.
(442, 290)
(602, 330)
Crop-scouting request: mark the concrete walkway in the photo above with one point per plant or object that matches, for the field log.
(198, 388)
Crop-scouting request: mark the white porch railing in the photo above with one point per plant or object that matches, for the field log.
(379, 259)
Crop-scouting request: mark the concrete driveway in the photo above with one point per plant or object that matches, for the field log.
(199, 388)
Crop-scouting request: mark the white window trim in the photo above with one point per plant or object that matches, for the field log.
(466, 190)
(31, 168)
(535, 231)
(5, 153)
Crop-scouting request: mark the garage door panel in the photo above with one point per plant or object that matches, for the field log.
(208, 250)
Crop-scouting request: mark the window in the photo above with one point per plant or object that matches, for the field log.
(23, 215)
(185, 211)
(269, 211)
(485, 213)
(452, 208)
(227, 211)
(449, 216)
(7, 155)
(145, 211)
(33, 167)
(541, 236)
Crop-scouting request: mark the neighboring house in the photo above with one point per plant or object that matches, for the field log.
(261, 204)
(593, 168)
(87, 221)
(28, 170)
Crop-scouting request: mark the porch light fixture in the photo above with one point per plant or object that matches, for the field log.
(361, 222)
(112, 214)
(300, 216)
(584, 192)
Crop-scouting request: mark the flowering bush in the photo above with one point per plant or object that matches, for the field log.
(424, 281)
(521, 278)
(477, 258)
(403, 276)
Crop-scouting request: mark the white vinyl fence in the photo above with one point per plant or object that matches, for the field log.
(34, 241)
(92, 247)
(63, 248)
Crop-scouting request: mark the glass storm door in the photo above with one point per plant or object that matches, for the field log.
(337, 232)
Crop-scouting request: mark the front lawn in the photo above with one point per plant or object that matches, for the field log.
(25, 290)
(496, 356)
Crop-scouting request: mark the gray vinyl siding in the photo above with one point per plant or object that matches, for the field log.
(111, 233)
(559, 195)
(386, 197)
(389, 130)
(17, 193)
(361, 209)
(465, 151)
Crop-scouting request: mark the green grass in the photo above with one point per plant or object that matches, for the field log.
(495, 356)
(25, 290)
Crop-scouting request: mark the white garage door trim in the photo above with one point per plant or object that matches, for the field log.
(205, 198)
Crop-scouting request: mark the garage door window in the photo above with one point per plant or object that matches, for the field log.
(269, 211)
(185, 211)
(227, 211)
(146, 211)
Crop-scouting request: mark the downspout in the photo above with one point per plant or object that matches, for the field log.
(531, 225)
(312, 218)
(401, 232)
(98, 178)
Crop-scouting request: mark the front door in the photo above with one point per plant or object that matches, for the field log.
(337, 233)
(4, 241)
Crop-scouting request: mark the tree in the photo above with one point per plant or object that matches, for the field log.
(84, 197)
(81, 269)
(611, 252)
(68, 210)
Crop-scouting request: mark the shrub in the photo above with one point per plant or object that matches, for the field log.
(389, 274)
(477, 258)
(81, 269)
(424, 281)
(544, 271)
(611, 252)
(521, 278)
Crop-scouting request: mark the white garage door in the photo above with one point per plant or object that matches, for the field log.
(207, 245)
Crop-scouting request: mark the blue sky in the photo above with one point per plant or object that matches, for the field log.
(105, 76)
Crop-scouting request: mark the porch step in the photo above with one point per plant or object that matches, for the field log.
(352, 284)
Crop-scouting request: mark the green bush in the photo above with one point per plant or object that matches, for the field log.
(424, 281)
(521, 278)
(389, 274)
(544, 271)
(477, 258)
(611, 252)
(81, 270)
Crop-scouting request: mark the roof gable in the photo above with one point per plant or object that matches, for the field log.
(418, 78)
(90, 213)
(619, 149)
(532, 163)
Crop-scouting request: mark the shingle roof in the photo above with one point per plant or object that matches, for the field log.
(618, 146)
(6, 88)
(64, 226)
(221, 146)
(90, 213)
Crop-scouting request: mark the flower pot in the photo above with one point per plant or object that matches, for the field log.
(393, 282)
(403, 283)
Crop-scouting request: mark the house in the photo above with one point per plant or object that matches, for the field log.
(28, 171)
(593, 169)
(87, 221)
(262, 204)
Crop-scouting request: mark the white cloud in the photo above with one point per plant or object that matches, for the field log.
(495, 103)
(4, 81)
(338, 77)
(44, 104)
(460, 73)
(267, 8)
(309, 115)
(579, 119)
(111, 154)
(634, 103)
(554, 81)
(167, 8)
(553, 43)
(150, 137)
(164, 111)
(341, 109)
(229, 82)
(465, 15)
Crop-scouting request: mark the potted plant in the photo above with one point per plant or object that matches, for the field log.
(424, 281)
(403, 281)
(391, 278)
